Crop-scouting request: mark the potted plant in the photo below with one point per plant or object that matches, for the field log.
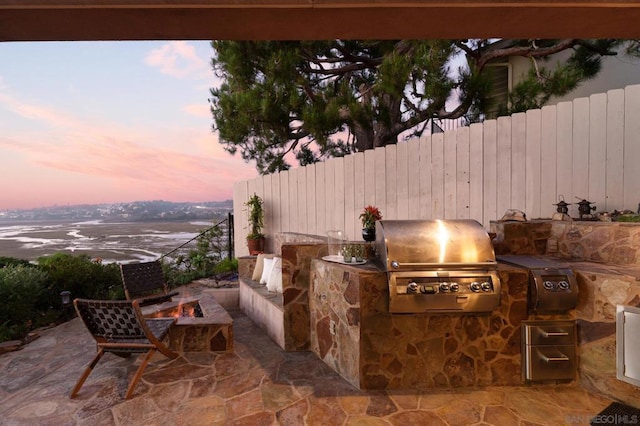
(255, 238)
(368, 218)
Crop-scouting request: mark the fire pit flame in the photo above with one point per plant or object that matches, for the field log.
(189, 310)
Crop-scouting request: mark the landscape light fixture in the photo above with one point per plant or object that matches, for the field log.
(65, 296)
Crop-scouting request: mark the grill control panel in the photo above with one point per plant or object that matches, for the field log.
(552, 290)
(555, 283)
(436, 285)
(443, 291)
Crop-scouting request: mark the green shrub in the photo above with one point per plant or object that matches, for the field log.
(20, 289)
(227, 265)
(82, 276)
(12, 261)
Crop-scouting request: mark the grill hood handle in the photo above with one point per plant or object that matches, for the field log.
(415, 265)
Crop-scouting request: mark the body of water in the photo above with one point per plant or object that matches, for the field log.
(111, 242)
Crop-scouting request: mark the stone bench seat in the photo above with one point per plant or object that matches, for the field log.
(283, 316)
(265, 308)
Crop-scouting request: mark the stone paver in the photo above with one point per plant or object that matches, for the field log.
(256, 384)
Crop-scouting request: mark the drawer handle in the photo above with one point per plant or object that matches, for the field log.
(561, 358)
(555, 333)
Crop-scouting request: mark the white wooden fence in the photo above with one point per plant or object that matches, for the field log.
(588, 148)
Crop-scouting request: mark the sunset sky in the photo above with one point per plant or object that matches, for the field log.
(108, 122)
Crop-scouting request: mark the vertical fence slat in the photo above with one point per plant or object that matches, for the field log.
(437, 176)
(580, 155)
(338, 193)
(301, 177)
(548, 194)
(532, 166)
(251, 188)
(402, 181)
(285, 212)
(329, 190)
(564, 151)
(369, 177)
(598, 149)
(359, 190)
(615, 150)
(380, 181)
(349, 193)
(503, 188)
(390, 209)
(276, 205)
(268, 201)
(490, 181)
(631, 165)
(476, 172)
(413, 179)
(294, 219)
(425, 174)
(518, 162)
(450, 174)
(462, 173)
(322, 225)
(311, 200)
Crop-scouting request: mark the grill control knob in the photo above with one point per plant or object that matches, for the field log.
(564, 285)
(395, 264)
(548, 285)
(445, 287)
(412, 288)
(486, 286)
(454, 287)
(475, 287)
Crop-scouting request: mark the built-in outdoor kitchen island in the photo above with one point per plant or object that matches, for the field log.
(354, 332)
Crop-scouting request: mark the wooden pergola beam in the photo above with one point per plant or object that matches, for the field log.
(49, 20)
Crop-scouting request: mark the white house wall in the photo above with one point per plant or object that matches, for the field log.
(588, 148)
(617, 72)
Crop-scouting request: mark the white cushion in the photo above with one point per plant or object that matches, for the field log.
(257, 271)
(275, 279)
(266, 270)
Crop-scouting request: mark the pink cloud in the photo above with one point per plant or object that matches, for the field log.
(198, 110)
(178, 59)
(82, 161)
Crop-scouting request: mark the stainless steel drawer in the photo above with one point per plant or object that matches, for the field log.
(550, 363)
(549, 332)
(549, 350)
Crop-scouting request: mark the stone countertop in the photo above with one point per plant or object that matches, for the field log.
(575, 265)
(583, 266)
(369, 267)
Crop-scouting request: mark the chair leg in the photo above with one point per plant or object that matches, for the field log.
(86, 373)
(139, 372)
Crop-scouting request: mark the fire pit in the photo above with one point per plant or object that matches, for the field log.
(202, 324)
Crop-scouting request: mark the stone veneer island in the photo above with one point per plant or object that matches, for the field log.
(353, 332)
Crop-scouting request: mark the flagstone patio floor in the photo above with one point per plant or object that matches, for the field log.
(256, 384)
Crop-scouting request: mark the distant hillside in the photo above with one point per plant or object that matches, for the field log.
(129, 212)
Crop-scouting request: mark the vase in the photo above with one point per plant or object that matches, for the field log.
(369, 234)
(255, 246)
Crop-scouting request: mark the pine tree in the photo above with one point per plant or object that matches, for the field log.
(310, 100)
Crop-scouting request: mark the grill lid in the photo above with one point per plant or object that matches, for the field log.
(433, 244)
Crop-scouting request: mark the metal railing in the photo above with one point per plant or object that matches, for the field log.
(188, 246)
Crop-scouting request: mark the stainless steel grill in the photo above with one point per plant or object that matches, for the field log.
(438, 266)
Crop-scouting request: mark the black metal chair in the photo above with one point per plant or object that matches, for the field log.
(145, 282)
(119, 327)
